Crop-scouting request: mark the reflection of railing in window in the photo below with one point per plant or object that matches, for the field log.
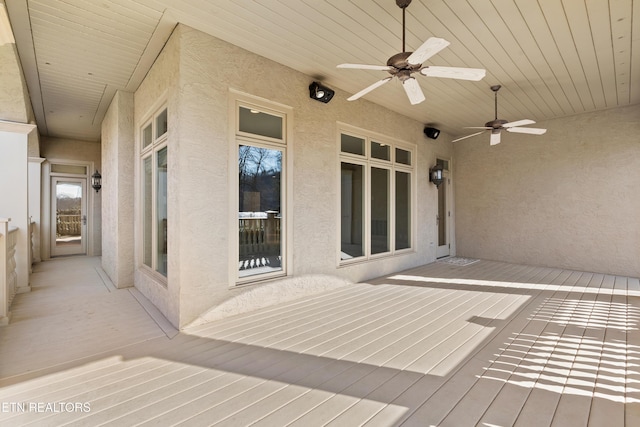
(259, 239)
(68, 223)
(259, 235)
(163, 237)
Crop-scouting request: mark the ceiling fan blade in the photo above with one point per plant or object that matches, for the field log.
(413, 90)
(518, 123)
(460, 73)
(368, 89)
(429, 48)
(532, 131)
(477, 127)
(365, 67)
(468, 136)
(495, 138)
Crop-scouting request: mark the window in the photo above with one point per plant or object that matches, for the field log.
(403, 210)
(261, 153)
(154, 169)
(375, 196)
(72, 169)
(352, 210)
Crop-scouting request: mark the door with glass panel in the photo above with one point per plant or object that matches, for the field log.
(444, 216)
(69, 216)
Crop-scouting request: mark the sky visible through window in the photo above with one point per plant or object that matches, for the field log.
(73, 191)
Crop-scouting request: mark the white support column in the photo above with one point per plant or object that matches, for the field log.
(9, 280)
(14, 192)
(35, 206)
(4, 300)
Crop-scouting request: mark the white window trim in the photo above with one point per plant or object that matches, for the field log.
(368, 162)
(237, 99)
(157, 144)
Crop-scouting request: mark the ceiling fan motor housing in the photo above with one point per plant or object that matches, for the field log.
(495, 124)
(401, 67)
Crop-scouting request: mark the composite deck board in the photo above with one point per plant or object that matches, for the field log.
(560, 355)
(392, 412)
(332, 300)
(537, 368)
(434, 411)
(425, 395)
(561, 343)
(608, 405)
(500, 400)
(489, 343)
(308, 323)
(632, 351)
(324, 328)
(501, 411)
(575, 401)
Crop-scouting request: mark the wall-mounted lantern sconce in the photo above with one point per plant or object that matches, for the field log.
(320, 93)
(96, 181)
(435, 175)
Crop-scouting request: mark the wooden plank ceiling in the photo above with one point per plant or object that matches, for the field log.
(554, 58)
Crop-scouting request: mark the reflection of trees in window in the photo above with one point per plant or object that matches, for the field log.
(260, 249)
(260, 171)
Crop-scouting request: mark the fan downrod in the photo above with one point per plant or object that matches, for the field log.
(402, 4)
(496, 123)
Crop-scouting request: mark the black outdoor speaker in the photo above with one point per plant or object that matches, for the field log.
(431, 132)
(320, 93)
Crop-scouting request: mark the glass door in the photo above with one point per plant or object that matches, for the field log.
(69, 216)
(444, 215)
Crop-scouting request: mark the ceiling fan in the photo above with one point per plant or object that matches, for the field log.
(403, 64)
(497, 125)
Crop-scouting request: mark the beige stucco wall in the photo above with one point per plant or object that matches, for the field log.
(200, 154)
(13, 90)
(565, 199)
(118, 172)
(14, 95)
(161, 84)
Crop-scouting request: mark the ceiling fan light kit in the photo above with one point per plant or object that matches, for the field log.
(403, 64)
(497, 125)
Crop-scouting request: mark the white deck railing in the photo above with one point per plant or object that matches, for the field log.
(8, 274)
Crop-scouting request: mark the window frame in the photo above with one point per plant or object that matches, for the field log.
(392, 166)
(284, 145)
(145, 152)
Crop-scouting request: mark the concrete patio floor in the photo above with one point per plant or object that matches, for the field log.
(488, 344)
